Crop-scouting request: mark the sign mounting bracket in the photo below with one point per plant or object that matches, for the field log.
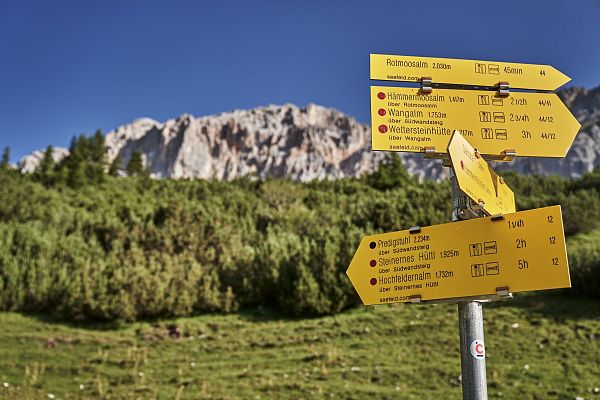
(497, 217)
(503, 89)
(430, 153)
(426, 87)
(505, 156)
(414, 229)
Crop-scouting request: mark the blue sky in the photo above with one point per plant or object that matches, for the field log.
(71, 67)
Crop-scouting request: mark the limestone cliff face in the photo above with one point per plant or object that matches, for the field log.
(274, 141)
(31, 161)
(307, 143)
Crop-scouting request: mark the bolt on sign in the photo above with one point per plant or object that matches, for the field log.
(477, 179)
(531, 124)
(465, 72)
(519, 252)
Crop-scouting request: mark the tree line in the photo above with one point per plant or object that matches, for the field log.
(86, 163)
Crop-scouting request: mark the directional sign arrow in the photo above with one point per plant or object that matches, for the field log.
(523, 251)
(466, 72)
(477, 179)
(532, 124)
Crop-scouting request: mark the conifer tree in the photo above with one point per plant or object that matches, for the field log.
(115, 166)
(86, 162)
(44, 171)
(75, 162)
(391, 174)
(5, 158)
(135, 166)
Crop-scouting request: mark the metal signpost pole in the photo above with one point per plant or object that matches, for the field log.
(470, 321)
(470, 324)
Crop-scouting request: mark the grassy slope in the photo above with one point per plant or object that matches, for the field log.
(400, 352)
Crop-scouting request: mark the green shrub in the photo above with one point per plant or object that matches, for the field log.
(584, 262)
(129, 248)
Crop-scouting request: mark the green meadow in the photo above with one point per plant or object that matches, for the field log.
(538, 347)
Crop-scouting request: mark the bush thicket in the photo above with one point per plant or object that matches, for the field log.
(91, 247)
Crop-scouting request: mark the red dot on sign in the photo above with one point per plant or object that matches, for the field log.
(382, 128)
(381, 95)
(462, 165)
(381, 112)
(373, 263)
(373, 281)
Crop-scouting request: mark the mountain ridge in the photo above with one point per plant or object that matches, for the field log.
(306, 143)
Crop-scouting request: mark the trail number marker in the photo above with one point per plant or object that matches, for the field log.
(478, 349)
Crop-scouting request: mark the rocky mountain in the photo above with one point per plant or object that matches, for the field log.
(274, 141)
(307, 143)
(31, 161)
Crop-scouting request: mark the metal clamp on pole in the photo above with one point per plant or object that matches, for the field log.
(508, 154)
(430, 153)
(505, 156)
(481, 204)
(426, 87)
(415, 299)
(497, 217)
(503, 89)
(473, 209)
(462, 206)
(414, 229)
(503, 292)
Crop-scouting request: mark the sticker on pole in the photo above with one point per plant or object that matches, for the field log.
(478, 349)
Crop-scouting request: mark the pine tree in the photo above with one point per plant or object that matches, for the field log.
(95, 157)
(97, 148)
(86, 162)
(96, 162)
(135, 166)
(44, 171)
(75, 162)
(115, 166)
(76, 176)
(5, 158)
(391, 174)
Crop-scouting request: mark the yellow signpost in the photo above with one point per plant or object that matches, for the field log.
(475, 257)
(477, 179)
(531, 124)
(522, 251)
(466, 72)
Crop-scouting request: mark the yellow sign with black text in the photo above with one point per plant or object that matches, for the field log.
(523, 251)
(532, 124)
(477, 179)
(465, 72)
